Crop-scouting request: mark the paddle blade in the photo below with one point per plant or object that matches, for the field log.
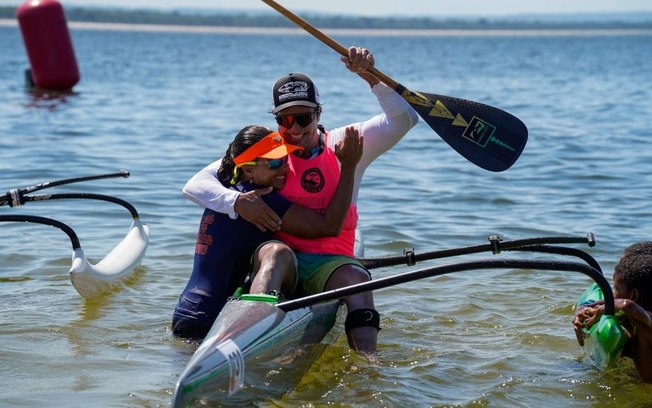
(486, 136)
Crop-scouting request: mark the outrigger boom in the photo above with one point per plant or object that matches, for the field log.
(251, 329)
(90, 280)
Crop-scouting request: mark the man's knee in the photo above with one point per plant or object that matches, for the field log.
(347, 275)
(276, 251)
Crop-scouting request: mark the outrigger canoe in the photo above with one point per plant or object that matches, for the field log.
(256, 339)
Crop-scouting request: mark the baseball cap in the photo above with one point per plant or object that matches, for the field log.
(271, 146)
(294, 89)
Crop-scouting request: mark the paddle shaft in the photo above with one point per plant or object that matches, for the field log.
(327, 40)
(459, 267)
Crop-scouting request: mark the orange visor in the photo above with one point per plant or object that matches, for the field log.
(271, 146)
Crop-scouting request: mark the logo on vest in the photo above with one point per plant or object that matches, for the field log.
(312, 180)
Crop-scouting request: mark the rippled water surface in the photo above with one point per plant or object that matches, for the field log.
(162, 105)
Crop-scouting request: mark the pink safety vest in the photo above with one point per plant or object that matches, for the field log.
(312, 183)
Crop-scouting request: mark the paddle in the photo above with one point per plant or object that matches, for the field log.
(486, 136)
(495, 246)
(340, 293)
(13, 197)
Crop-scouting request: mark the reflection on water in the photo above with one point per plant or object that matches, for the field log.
(48, 99)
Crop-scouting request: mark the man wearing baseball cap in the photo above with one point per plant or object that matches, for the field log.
(324, 263)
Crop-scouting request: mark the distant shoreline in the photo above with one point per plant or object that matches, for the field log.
(77, 25)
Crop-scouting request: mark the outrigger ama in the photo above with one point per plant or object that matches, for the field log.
(90, 280)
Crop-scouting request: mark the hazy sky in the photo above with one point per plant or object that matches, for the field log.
(448, 8)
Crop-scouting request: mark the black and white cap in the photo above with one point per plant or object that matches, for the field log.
(294, 89)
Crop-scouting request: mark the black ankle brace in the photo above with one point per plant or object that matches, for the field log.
(362, 318)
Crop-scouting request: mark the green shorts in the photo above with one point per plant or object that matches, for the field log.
(316, 269)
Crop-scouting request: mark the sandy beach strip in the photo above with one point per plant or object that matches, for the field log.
(78, 25)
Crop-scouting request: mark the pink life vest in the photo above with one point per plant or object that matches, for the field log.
(312, 183)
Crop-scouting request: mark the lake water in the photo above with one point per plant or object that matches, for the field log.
(164, 104)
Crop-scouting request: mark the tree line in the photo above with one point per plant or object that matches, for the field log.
(322, 21)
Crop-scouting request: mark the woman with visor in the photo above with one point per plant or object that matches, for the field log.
(257, 158)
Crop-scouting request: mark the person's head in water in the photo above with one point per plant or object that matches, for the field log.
(632, 276)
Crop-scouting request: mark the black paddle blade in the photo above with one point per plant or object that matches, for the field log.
(486, 136)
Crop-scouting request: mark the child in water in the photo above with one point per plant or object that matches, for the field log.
(632, 281)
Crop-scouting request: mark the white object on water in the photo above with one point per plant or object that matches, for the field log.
(119, 264)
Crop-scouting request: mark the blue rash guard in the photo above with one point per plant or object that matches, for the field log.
(222, 260)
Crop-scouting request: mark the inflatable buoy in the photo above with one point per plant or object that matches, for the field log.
(604, 340)
(49, 48)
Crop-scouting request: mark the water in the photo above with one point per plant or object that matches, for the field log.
(162, 105)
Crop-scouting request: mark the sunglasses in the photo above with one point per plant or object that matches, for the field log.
(271, 164)
(301, 119)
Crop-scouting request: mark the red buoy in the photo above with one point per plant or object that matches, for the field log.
(48, 44)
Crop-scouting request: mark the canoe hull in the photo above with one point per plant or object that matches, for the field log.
(250, 343)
